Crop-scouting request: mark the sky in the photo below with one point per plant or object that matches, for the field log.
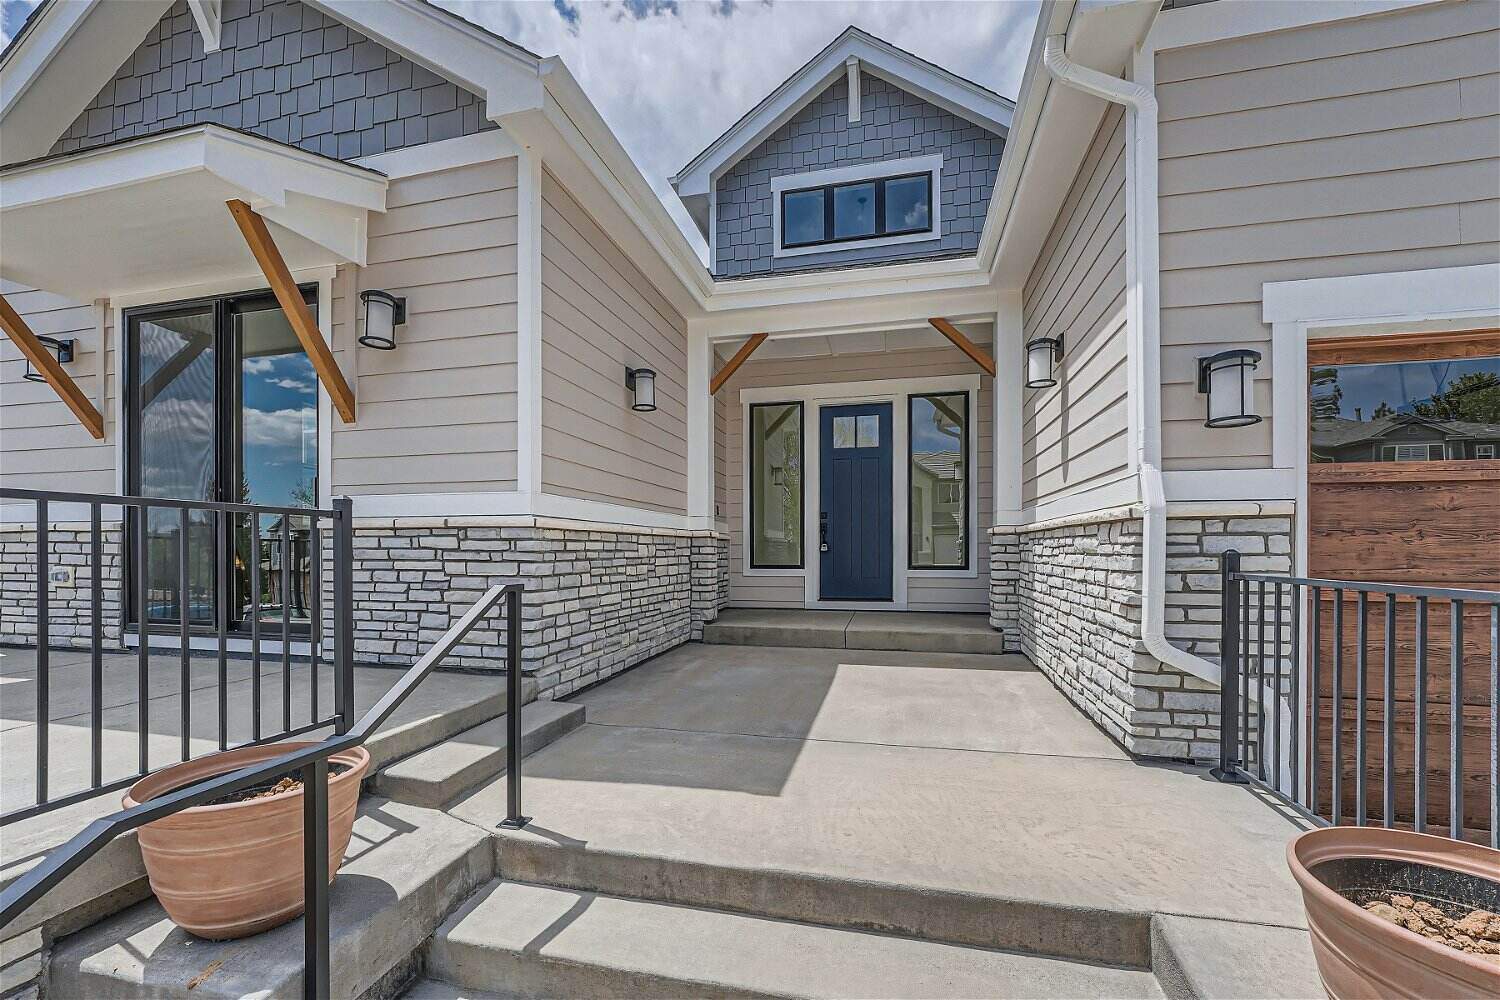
(669, 76)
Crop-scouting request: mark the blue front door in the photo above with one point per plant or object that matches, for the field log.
(855, 494)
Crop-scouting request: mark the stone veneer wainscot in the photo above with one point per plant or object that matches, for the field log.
(1068, 593)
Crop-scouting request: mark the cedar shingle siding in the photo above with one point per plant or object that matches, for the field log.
(285, 72)
(893, 125)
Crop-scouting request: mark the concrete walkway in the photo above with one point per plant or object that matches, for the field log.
(899, 630)
(811, 781)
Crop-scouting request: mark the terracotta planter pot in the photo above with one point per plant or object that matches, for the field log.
(231, 870)
(1360, 954)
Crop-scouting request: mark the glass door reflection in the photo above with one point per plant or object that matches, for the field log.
(273, 436)
(223, 406)
(177, 448)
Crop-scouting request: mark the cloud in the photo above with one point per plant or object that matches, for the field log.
(669, 78)
(300, 385)
(274, 428)
(257, 366)
(13, 14)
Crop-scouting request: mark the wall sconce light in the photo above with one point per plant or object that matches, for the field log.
(62, 348)
(383, 313)
(1226, 378)
(642, 384)
(1042, 354)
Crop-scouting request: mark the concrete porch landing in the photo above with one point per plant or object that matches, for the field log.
(911, 631)
(939, 797)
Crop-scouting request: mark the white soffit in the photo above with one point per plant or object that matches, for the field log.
(876, 57)
(150, 213)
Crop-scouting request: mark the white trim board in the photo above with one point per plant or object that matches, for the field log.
(931, 165)
(448, 154)
(813, 396)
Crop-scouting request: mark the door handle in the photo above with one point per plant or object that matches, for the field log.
(823, 532)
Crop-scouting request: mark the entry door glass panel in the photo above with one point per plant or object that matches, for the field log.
(274, 435)
(176, 361)
(855, 496)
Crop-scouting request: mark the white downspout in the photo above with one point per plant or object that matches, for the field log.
(1143, 320)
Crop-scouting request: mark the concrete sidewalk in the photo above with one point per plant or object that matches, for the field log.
(805, 784)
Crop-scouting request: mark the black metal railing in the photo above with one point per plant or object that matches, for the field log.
(189, 570)
(312, 763)
(1422, 663)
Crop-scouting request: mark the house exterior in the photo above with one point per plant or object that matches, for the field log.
(842, 416)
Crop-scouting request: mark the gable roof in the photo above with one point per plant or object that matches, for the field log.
(895, 65)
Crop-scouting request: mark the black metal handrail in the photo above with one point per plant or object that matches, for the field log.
(312, 761)
(136, 514)
(1271, 693)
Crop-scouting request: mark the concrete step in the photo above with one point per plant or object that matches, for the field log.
(543, 942)
(406, 869)
(436, 989)
(1110, 936)
(909, 631)
(1197, 959)
(444, 705)
(436, 776)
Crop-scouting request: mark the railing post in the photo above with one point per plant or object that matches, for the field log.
(1229, 669)
(315, 972)
(513, 818)
(343, 613)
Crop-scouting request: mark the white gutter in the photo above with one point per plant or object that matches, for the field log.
(1143, 320)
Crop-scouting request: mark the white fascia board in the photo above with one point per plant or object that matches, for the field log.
(895, 308)
(446, 154)
(813, 287)
(264, 170)
(60, 64)
(931, 83)
(1406, 295)
(505, 75)
(569, 130)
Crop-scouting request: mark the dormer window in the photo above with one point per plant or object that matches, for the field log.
(872, 204)
(836, 213)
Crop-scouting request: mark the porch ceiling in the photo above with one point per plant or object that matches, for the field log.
(151, 213)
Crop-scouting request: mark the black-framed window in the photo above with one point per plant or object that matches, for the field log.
(938, 478)
(221, 404)
(776, 485)
(857, 210)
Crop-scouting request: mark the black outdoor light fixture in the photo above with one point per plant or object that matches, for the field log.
(62, 348)
(642, 384)
(1226, 378)
(1041, 355)
(383, 313)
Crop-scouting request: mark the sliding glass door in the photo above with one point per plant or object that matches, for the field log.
(222, 405)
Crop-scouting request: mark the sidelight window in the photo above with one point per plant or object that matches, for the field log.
(938, 509)
(776, 483)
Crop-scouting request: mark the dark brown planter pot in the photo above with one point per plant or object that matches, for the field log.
(1360, 955)
(231, 870)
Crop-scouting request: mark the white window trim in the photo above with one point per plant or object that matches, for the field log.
(897, 392)
(1484, 452)
(931, 164)
(1450, 298)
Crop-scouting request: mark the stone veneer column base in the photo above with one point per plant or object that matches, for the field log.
(1070, 590)
(598, 599)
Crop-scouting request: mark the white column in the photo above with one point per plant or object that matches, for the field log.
(1009, 355)
(529, 329)
(700, 430)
